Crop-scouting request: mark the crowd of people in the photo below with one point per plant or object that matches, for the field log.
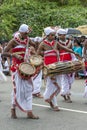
(53, 47)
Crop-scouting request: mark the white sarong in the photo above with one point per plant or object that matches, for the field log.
(51, 88)
(37, 83)
(22, 94)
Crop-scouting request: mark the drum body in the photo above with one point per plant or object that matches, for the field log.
(37, 61)
(63, 68)
(26, 70)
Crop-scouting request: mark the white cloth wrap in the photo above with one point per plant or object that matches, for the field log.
(51, 88)
(85, 92)
(67, 80)
(37, 82)
(23, 94)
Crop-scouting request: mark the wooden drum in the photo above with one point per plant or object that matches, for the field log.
(63, 68)
(26, 70)
(37, 61)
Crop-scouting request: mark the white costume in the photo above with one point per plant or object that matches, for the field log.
(37, 83)
(22, 94)
(66, 79)
(52, 90)
(22, 89)
(52, 83)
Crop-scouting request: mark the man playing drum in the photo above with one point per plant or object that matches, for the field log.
(37, 79)
(22, 88)
(49, 50)
(66, 79)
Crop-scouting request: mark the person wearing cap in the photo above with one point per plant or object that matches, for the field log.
(49, 49)
(37, 79)
(64, 56)
(22, 89)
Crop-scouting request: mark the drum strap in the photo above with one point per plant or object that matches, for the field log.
(53, 46)
(67, 44)
(18, 53)
(26, 56)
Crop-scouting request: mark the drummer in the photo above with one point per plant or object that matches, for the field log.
(37, 79)
(49, 49)
(22, 89)
(66, 79)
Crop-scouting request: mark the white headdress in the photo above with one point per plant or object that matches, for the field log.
(61, 31)
(24, 28)
(48, 30)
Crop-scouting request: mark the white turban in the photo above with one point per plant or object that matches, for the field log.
(38, 39)
(24, 28)
(48, 30)
(61, 31)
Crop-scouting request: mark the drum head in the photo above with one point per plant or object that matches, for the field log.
(36, 60)
(26, 68)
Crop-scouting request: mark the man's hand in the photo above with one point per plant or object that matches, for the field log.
(78, 56)
(17, 56)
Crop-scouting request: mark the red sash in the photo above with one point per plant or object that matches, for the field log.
(19, 40)
(86, 65)
(18, 50)
(50, 56)
(15, 61)
(65, 56)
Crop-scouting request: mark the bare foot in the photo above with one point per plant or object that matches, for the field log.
(30, 115)
(38, 95)
(56, 108)
(64, 96)
(69, 101)
(51, 105)
(13, 114)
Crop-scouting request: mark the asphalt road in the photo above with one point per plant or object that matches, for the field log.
(72, 116)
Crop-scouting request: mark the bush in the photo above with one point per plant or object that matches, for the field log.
(38, 15)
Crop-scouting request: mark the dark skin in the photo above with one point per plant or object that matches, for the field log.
(11, 44)
(63, 38)
(51, 37)
(8, 53)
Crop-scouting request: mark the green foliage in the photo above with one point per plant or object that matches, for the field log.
(84, 2)
(39, 14)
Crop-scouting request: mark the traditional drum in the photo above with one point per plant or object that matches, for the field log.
(36, 60)
(63, 68)
(26, 70)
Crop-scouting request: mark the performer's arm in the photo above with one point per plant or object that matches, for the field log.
(7, 51)
(65, 48)
(68, 50)
(31, 43)
(40, 50)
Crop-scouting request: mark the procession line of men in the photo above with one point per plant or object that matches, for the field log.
(52, 51)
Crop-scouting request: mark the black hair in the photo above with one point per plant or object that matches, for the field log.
(77, 41)
(83, 37)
